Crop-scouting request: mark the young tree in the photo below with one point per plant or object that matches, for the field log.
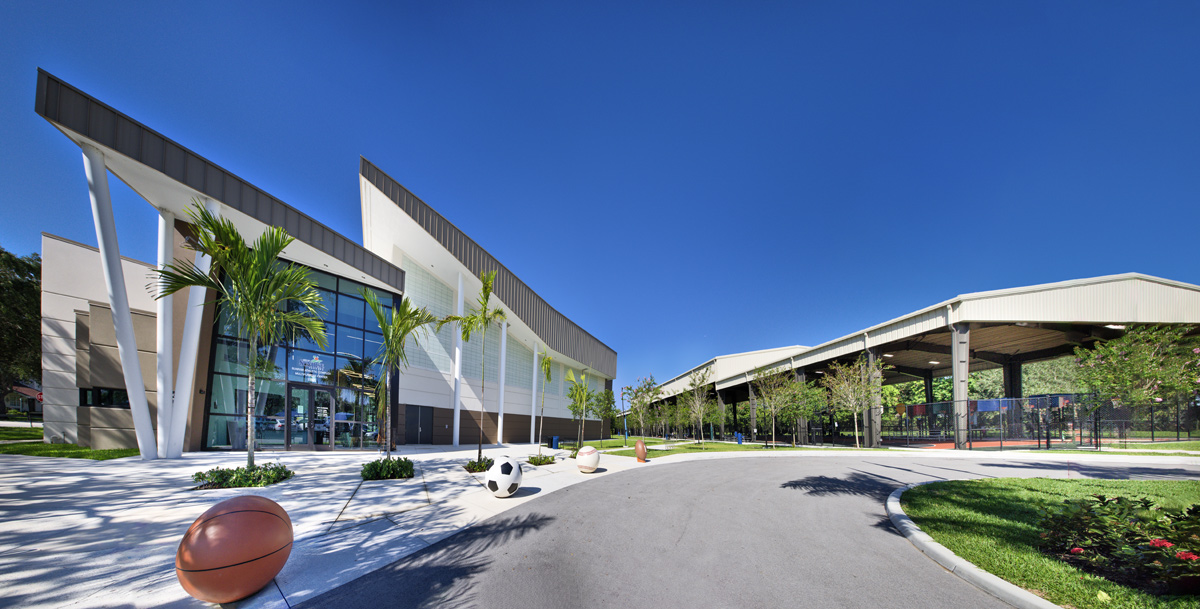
(20, 320)
(1143, 366)
(695, 403)
(640, 397)
(406, 321)
(479, 319)
(773, 390)
(852, 387)
(266, 300)
(581, 397)
(806, 402)
(545, 365)
(605, 409)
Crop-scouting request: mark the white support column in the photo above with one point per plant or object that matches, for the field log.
(458, 348)
(533, 402)
(503, 353)
(114, 279)
(188, 349)
(960, 369)
(165, 345)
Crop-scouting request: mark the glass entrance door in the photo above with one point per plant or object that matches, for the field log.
(309, 418)
(299, 415)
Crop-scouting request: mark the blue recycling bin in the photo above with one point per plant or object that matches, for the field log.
(739, 437)
(554, 442)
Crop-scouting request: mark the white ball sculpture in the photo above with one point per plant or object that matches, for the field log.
(504, 477)
(588, 459)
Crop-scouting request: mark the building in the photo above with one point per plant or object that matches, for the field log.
(167, 375)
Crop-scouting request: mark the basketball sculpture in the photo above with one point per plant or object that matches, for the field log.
(639, 449)
(234, 549)
(588, 459)
(504, 477)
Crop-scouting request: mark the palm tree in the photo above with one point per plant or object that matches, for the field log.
(266, 300)
(545, 365)
(478, 320)
(406, 321)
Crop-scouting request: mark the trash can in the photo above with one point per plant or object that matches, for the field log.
(739, 437)
(554, 442)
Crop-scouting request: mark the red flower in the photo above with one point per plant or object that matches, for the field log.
(1077, 550)
(1160, 543)
(1186, 556)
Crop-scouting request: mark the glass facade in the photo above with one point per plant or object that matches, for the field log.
(306, 397)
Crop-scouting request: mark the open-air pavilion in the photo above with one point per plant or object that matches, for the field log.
(971, 332)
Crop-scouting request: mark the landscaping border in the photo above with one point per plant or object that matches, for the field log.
(997, 587)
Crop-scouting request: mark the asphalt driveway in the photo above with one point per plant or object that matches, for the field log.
(709, 533)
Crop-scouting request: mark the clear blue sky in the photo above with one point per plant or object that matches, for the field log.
(684, 179)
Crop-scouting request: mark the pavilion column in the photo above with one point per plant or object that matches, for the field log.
(503, 353)
(960, 355)
(721, 407)
(928, 378)
(458, 348)
(118, 299)
(874, 415)
(188, 349)
(1013, 381)
(753, 413)
(165, 342)
(802, 430)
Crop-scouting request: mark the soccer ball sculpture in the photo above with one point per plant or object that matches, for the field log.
(504, 477)
(588, 459)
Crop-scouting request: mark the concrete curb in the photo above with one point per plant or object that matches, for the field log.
(999, 588)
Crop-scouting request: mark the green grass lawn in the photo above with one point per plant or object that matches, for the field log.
(614, 442)
(40, 449)
(20, 433)
(1123, 453)
(991, 523)
(1184, 445)
(717, 447)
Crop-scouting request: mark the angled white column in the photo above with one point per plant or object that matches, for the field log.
(503, 352)
(114, 279)
(188, 348)
(533, 402)
(458, 347)
(165, 343)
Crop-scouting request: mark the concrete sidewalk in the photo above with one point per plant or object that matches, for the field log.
(77, 533)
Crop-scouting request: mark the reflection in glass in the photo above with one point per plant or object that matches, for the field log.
(351, 311)
(349, 342)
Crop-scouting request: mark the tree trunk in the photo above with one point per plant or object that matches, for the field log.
(855, 432)
(251, 356)
(772, 431)
(542, 424)
(482, 388)
(387, 414)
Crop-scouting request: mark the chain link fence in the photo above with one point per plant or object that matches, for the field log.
(1040, 422)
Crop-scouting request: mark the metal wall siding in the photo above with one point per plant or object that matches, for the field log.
(558, 332)
(61, 103)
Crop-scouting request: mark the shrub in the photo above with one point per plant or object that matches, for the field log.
(1129, 541)
(541, 459)
(481, 465)
(262, 475)
(387, 469)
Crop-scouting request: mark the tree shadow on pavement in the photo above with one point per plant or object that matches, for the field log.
(857, 483)
(438, 576)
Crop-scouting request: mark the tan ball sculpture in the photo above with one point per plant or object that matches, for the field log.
(639, 450)
(234, 549)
